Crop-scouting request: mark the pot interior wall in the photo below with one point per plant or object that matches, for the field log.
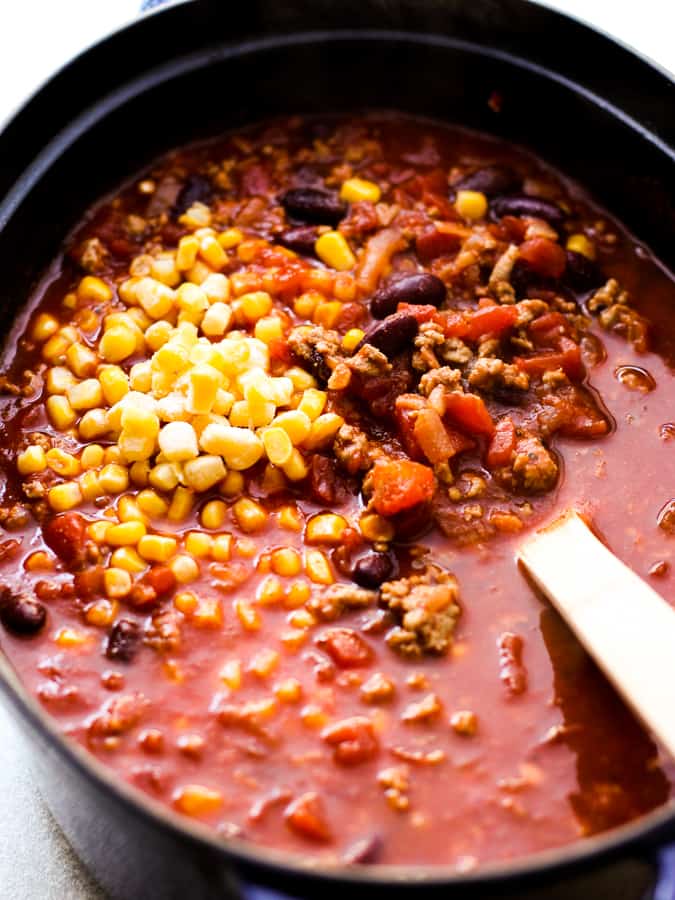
(220, 88)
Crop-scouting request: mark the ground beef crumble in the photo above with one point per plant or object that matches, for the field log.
(427, 608)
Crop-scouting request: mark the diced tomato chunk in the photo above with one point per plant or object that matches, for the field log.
(440, 239)
(545, 257)
(436, 440)
(422, 312)
(502, 445)
(405, 425)
(469, 413)
(490, 320)
(568, 359)
(400, 484)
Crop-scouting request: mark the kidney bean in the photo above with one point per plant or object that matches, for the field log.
(392, 334)
(65, 535)
(21, 613)
(354, 740)
(581, 273)
(313, 205)
(490, 180)
(346, 648)
(196, 189)
(420, 289)
(301, 239)
(529, 207)
(123, 640)
(373, 569)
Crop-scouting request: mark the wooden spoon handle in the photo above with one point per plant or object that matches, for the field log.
(626, 626)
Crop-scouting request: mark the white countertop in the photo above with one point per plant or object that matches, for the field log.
(36, 37)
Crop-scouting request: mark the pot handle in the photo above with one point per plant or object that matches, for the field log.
(664, 888)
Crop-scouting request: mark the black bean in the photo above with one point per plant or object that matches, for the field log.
(491, 181)
(421, 288)
(373, 569)
(581, 273)
(392, 334)
(21, 613)
(530, 207)
(364, 851)
(313, 205)
(301, 239)
(197, 189)
(123, 640)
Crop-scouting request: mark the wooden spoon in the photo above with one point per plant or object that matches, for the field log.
(627, 628)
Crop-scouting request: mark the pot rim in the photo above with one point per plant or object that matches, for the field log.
(265, 861)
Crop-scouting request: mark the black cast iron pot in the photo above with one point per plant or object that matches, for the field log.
(578, 99)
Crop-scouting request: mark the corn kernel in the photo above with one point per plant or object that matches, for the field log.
(324, 429)
(209, 613)
(194, 799)
(268, 329)
(44, 327)
(82, 360)
(61, 413)
(92, 456)
(246, 547)
(62, 462)
(94, 289)
(305, 304)
(325, 528)
(128, 559)
(351, 339)
(178, 442)
(312, 716)
(376, 528)
(97, 530)
(70, 638)
(233, 484)
(296, 468)
(216, 286)
(286, 562)
(264, 663)
(289, 518)
(184, 568)
(212, 252)
(33, 459)
(217, 320)
(301, 618)
(38, 562)
(125, 534)
(255, 305)
(163, 477)
(163, 268)
(155, 298)
(221, 550)
(117, 583)
(85, 395)
(293, 639)
(270, 591)
(312, 403)
(117, 343)
(203, 473)
(114, 478)
(150, 503)
(240, 447)
(355, 190)
(157, 547)
(59, 380)
(230, 238)
(114, 383)
(186, 602)
(318, 568)
(140, 377)
(277, 445)
(297, 594)
(579, 243)
(112, 455)
(139, 473)
(288, 691)
(230, 674)
(188, 248)
(198, 273)
(65, 496)
(70, 300)
(327, 313)
(181, 504)
(54, 350)
(250, 515)
(93, 424)
(158, 334)
(333, 250)
(101, 613)
(248, 615)
(471, 205)
(213, 514)
(90, 485)
(198, 544)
